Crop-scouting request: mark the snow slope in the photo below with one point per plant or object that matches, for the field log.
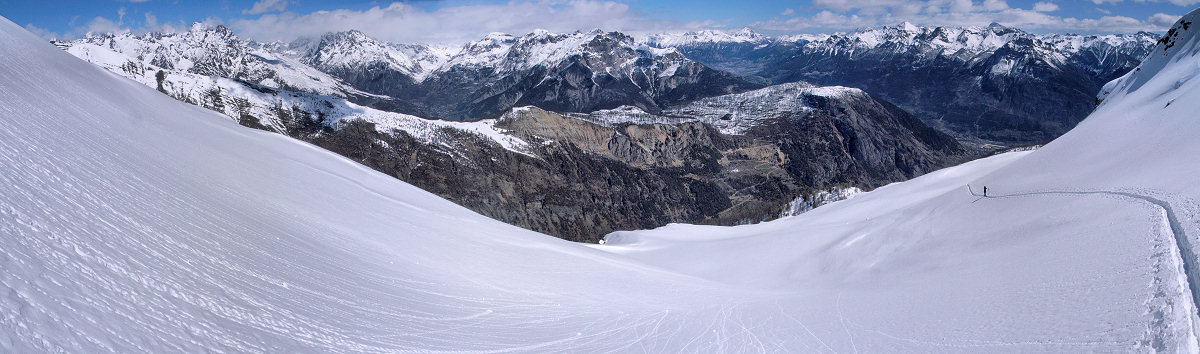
(133, 222)
(1085, 244)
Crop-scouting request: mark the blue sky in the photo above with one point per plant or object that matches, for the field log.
(458, 21)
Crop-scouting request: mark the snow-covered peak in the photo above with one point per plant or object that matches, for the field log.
(491, 48)
(1074, 43)
(350, 50)
(804, 38)
(604, 51)
(1097, 53)
(204, 49)
(746, 32)
(346, 36)
(538, 48)
(743, 35)
(953, 39)
(495, 36)
(905, 36)
(1024, 53)
(212, 51)
(205, 28)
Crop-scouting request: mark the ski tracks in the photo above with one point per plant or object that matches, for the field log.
(1182, 252)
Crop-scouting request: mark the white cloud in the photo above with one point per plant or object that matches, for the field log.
(956, 6)
(120, 16)
(41, 32)
(1045, 7)
(994, 5)
(104, 25)
(853, 14)
(1105, 22)
(787, 12)
(266, 6)
(403, 23)
(954, 13)
(1163, 20)
(847, 5)
(1176, 2)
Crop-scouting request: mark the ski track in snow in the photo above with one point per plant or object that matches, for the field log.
(1184, 253)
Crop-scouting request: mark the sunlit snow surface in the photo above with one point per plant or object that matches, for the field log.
(132, 222)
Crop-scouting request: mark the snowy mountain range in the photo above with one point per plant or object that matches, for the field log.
(350, 51)
(213, 51)
(135, 222)
(581, 71)
(985, 85)
(725, 159)
(575, 72)
(991, 85)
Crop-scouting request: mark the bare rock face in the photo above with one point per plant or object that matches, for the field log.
(584, 178)
(564, 191)
(642, 146)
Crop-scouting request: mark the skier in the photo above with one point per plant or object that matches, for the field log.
(985, 191)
